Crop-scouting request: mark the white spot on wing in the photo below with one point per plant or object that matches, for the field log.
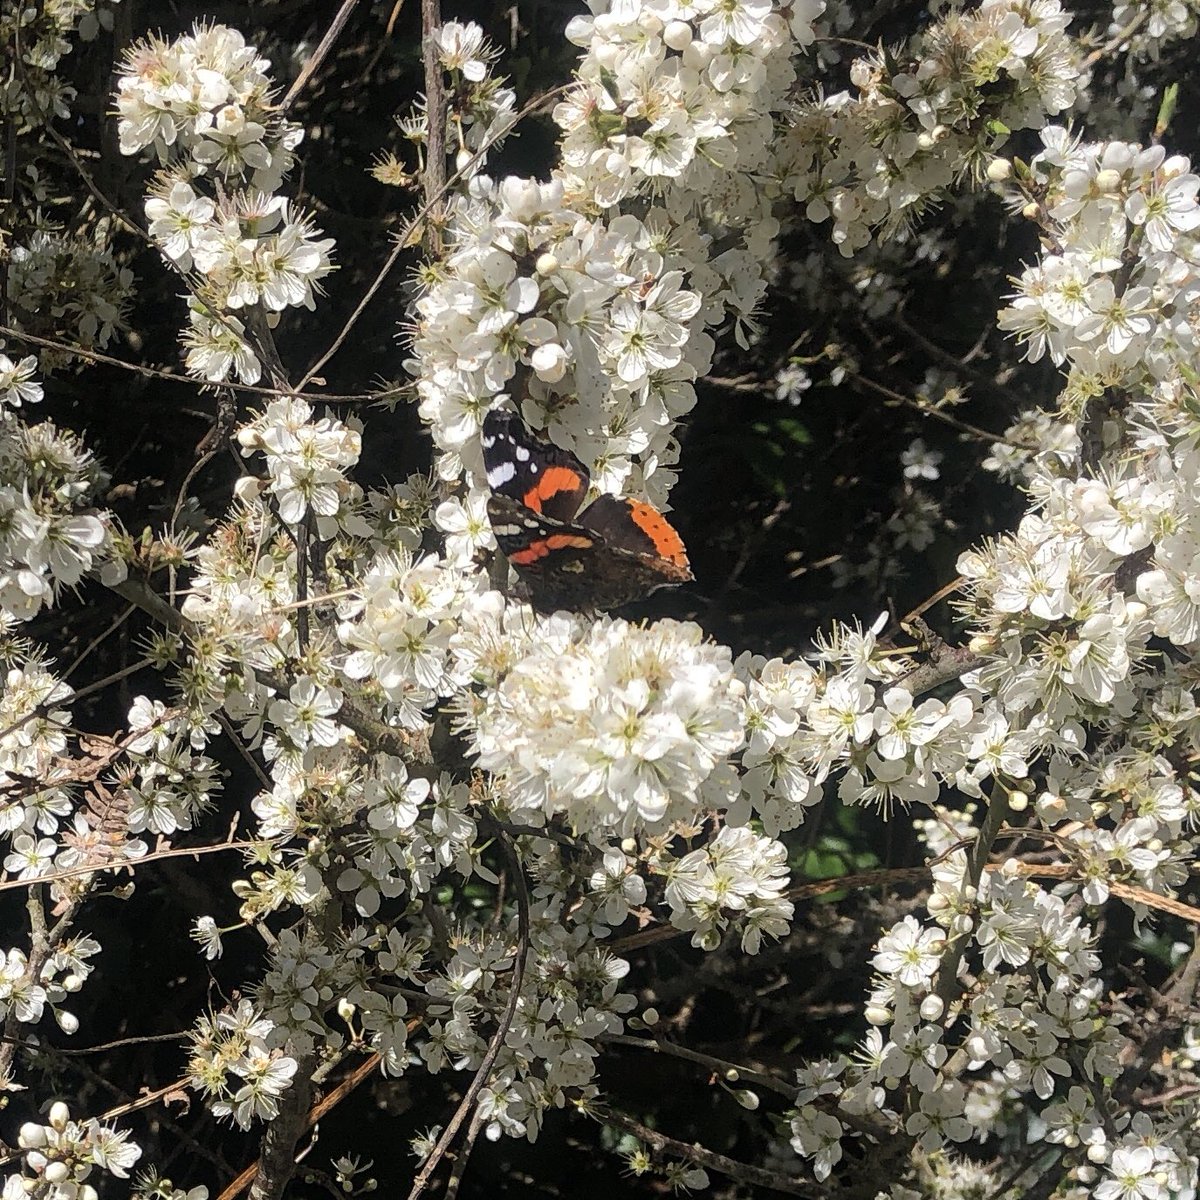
(501, 474)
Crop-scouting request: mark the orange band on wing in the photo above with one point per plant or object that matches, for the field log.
(556, 541)
(654, 525)
(552, 481)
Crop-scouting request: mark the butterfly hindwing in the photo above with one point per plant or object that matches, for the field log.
(636, 528)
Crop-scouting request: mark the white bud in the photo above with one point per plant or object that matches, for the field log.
(937, 903)
(999, 169)
(1086, 1174)
(876, 1014)
(249, 437)
(1018, 801)
(72, 982)
(345, 1010)
(31, 1136)
(248, 488)
(68, 1022)
(677, 35)
(1011, 868)
(462, 160)
(1108, 180)
(747, 1099)
(549, 362)
(1030, 212)
(546, 264)
(932, 1008)
(1097, 1153)
(925, 140)
(60, 1115)
(650, 1016)
(57, 1172)
(977, 1047)
(36, 1161)
(962, 924)
(87, 1192)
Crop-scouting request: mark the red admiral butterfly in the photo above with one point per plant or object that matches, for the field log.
(611, 552)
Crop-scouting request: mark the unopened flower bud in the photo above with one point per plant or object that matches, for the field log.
(999, 169)
(650, 1016)
(249, 438)
(60, 1116)
(248, 488)
(962, 924)
(1086, 1174)
(1031, 210)
(87, 1192)
(546, 264)
(462, 160)
(57, 1172)
(932, 1008)
(345, 1010)
(68, 1022)
(1097, 1152)
(1108, 180)
(677, 35)
(747, 1099)
(31, 1135)
(876, 1014)
(36, 1161)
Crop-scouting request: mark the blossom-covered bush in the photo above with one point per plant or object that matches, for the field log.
(480, 857)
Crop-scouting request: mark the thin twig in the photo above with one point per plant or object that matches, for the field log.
(693, 1152)
(974, 431)
(731, 1071)
(175, 377)
(116, 624)
(318, 55)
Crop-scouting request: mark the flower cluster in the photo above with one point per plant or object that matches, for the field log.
(306, 462)
(920, 120)
(1112, 301)
(615, 727)
(58, 1158)
(736, 873)
(232, 1061)
(205, 97)
(1147, 27)
(50, 536)
(68, 282)
(203, 105)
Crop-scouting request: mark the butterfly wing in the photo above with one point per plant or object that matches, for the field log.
(637, 528)
(537, 474)
(553, 559)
